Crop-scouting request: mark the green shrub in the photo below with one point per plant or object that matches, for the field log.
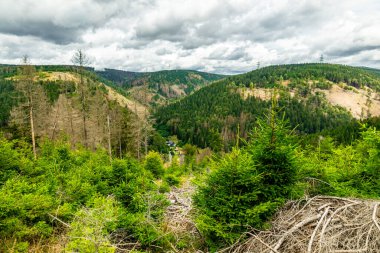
(154, 164)
(247, 186)
(172, 180)
(92, 225)
(74, 185)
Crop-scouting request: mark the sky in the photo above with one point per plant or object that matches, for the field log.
(225, 36)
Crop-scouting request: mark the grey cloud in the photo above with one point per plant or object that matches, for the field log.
(352, 50)
(170, 31)
(236, 54)
(44, 30)
(163, 51)
(62, 25)
(193, 42)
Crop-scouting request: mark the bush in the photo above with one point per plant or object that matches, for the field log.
(172, 180)
(74, 186)
(154, 164)
(92, 225)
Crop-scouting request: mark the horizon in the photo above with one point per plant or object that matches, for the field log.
(236, 73)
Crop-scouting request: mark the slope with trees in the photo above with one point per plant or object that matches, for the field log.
(67, 102)
(212, 116)
(155, 88)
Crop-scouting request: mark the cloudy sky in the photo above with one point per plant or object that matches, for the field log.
(221, 36)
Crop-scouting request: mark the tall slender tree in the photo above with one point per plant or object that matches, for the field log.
(80, 59)
(25, 85)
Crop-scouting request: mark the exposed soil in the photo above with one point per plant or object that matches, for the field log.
(359, 102)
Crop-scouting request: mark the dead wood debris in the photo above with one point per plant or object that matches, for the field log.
(178, 215)
(320, 224)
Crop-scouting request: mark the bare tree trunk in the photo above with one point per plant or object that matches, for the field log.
(120, 154)
(138, 135)
(55, 123)
(138, 144)
(83, 111)
(109, 137)
(32, 126)
(81, 60)
(146, 124)
(146, 141)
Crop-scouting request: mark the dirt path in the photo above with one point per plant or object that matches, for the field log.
(178, 218)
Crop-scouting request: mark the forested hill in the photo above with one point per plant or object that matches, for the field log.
(269, 76)
(160, 85)
(67, 101)
(314, 97)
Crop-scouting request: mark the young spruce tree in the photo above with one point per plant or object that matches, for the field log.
(248, 185)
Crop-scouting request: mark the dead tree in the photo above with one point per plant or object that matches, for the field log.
(25, 86)
(80, 59)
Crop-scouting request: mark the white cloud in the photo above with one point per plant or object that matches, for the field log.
(225, 36)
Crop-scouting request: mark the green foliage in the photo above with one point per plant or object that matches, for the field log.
(350, 170)
(74, 186)
(247, 186)
(226, 201)
(158, 143)
(90, 230)
(54, 88)
(190, 153)
(154, 164)
(272, 147)
(211, 116)
(353, 76)
(172, 180)
(8, 100)
(9, 160)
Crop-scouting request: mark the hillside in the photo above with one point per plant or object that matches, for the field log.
(314, 98)
(158, 87)
(89, 113)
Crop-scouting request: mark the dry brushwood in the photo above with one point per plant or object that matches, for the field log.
(178, 215)
(321, 224)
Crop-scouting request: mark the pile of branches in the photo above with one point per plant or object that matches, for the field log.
(178, 215)
(319, 224)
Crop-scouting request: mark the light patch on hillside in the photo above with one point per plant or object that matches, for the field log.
(177, 90)
(133, 106)
(285, 83)
(55, 76)
(260, 93)
(360, 103)
(195, 76)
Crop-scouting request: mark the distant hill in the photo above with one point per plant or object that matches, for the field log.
(315, 98)
(158, 87)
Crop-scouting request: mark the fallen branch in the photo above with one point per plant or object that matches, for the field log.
(296, 227)
(374, 215)
(58, 219)
(316, 229)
